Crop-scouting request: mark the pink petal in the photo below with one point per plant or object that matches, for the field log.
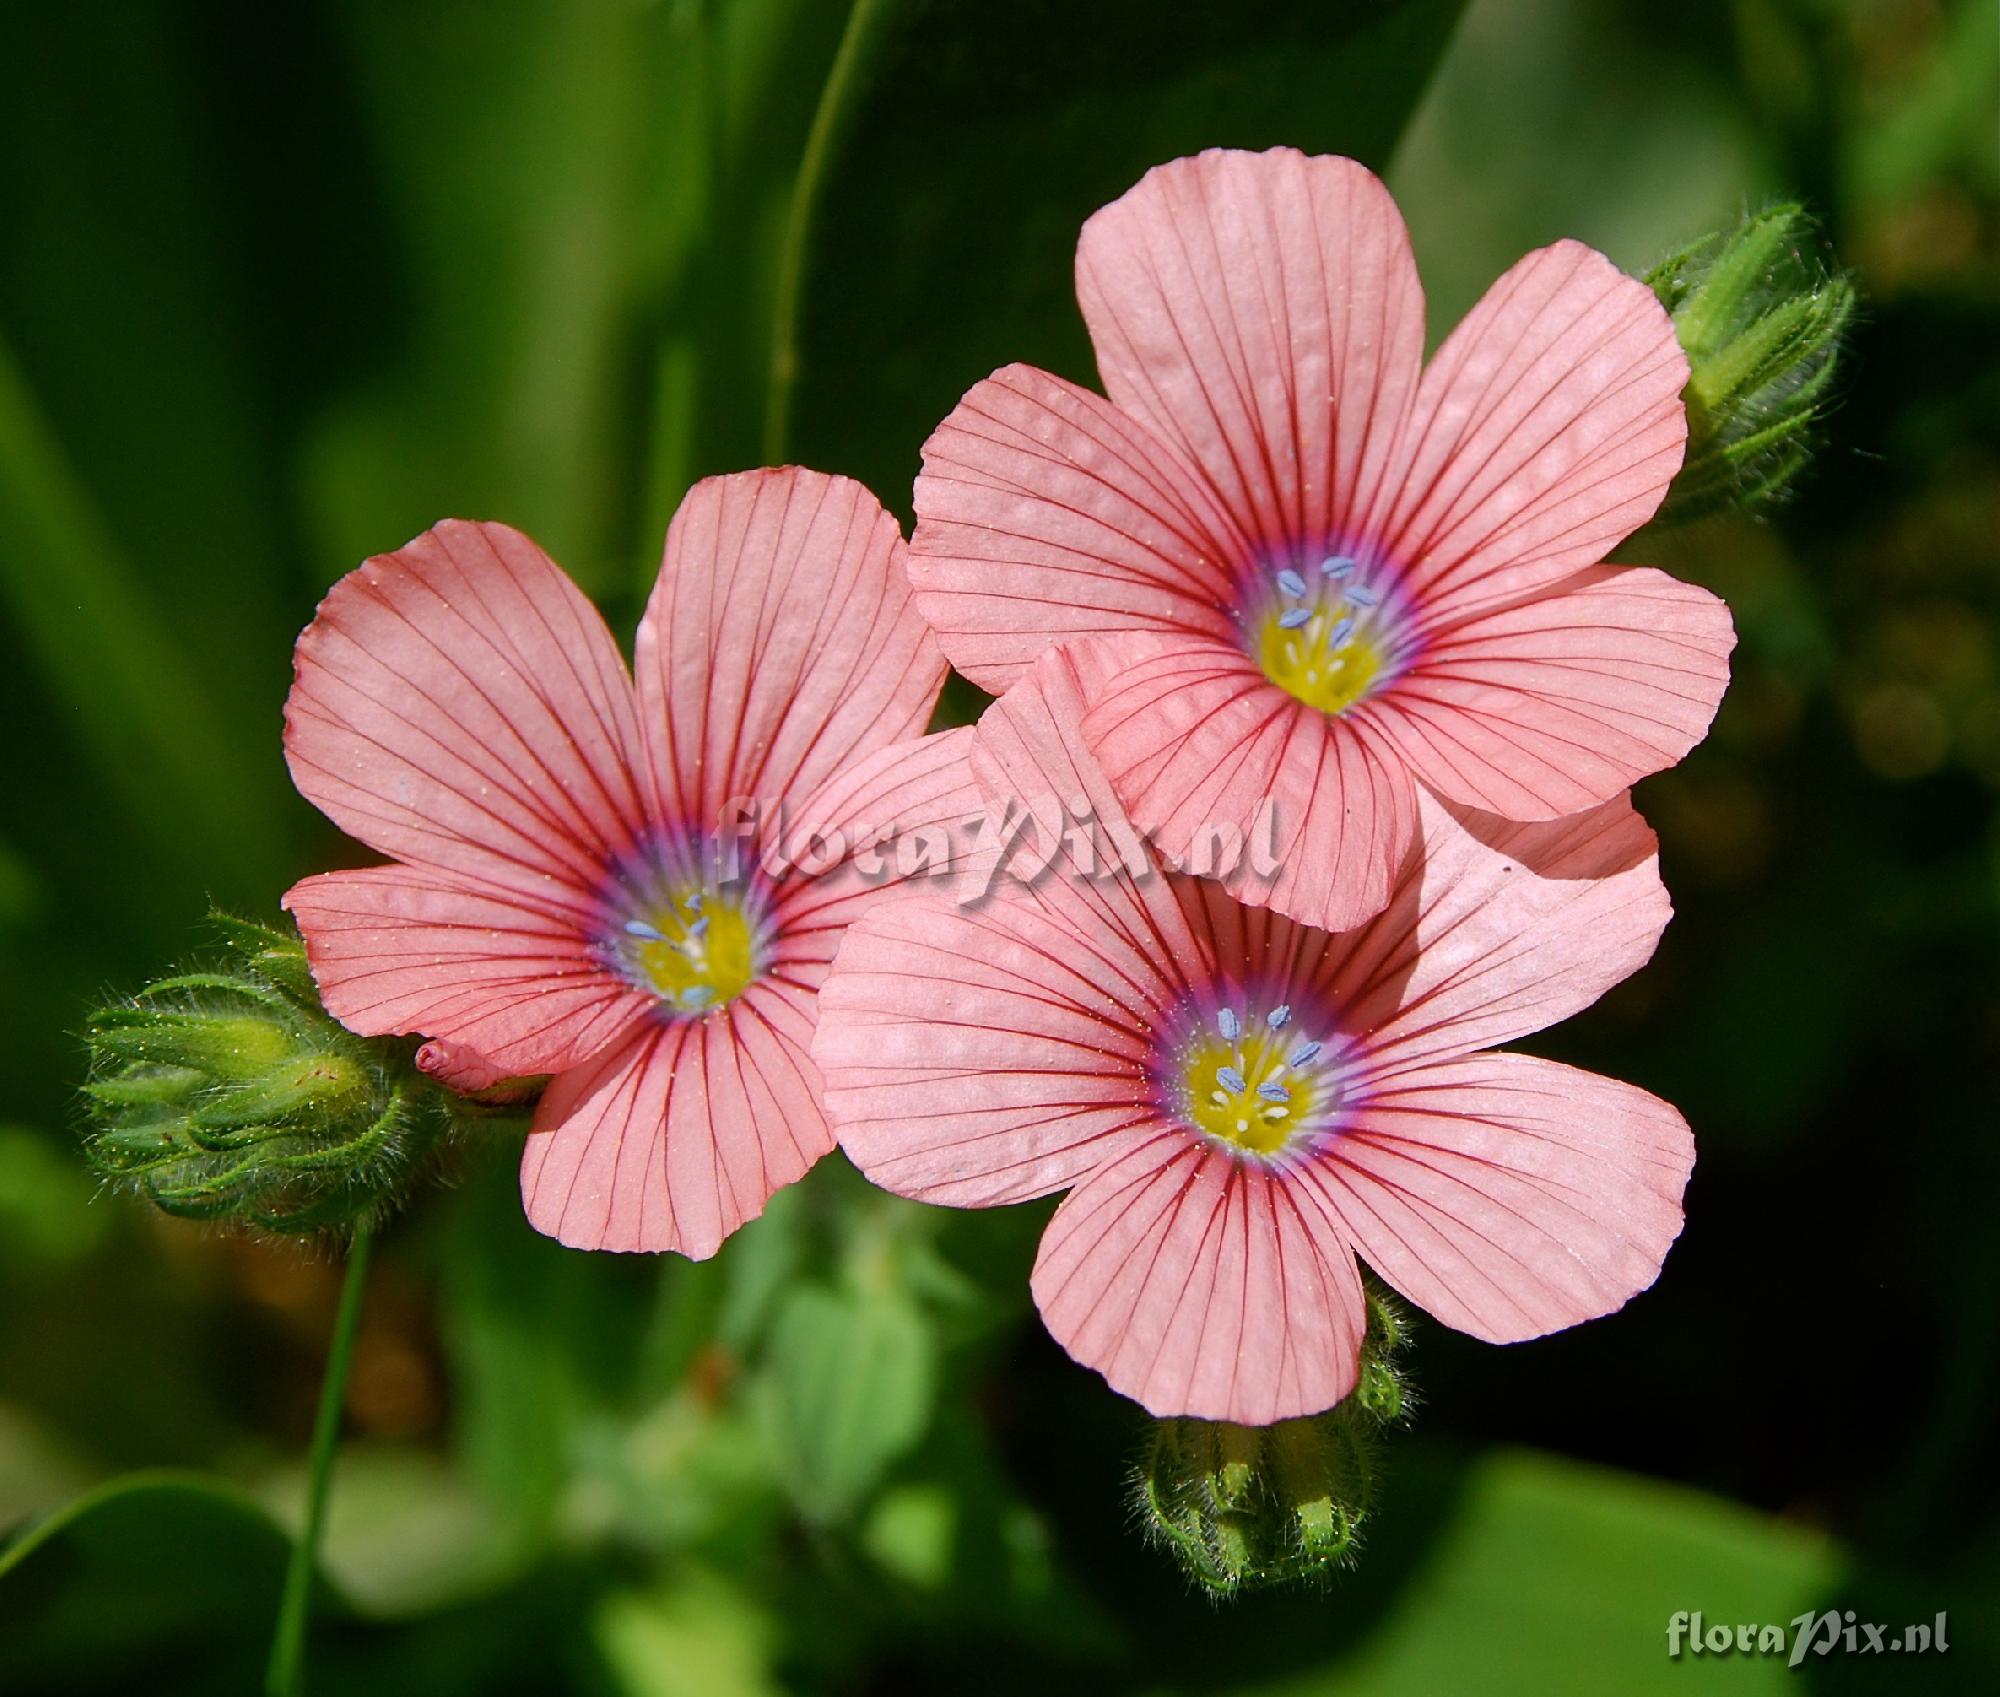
(1498, 929)
(1044, 513)
(459, 704)
(976, 1056)
(1551, 705)
(400, 949)
(1546, 431)
(1511, 1196)
(878, 812)
(675, 1137)
(1262, 313)
(1205, 1286)
(1030, 756)
(781, 642)
(990, 1051)
(1194, 737)
(467, 1071)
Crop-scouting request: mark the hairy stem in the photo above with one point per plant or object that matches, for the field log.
(286, 1677)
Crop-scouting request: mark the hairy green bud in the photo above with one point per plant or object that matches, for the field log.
(232, 1094)
(1761, 318)
(1247, 1506)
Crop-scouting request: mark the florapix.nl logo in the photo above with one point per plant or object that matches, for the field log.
(1817, 1632)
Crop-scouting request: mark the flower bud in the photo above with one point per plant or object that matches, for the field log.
(232, 1094)
(1248, 1506)
(1760, 317)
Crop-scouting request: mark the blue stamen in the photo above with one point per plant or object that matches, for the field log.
(1337, 565)
(1305, 1052)
(1341, 631)
(693, 903)
(1274, 1092)
(1291, 583)
(1231, 1080)
(1277, 1016)
(639, 928)
(1228, 1024)
(1292, 617)
(1363, 597)
(699, 927)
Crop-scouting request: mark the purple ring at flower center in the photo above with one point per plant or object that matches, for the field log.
(674, 924)
(1328, 623)
(1251, 1071)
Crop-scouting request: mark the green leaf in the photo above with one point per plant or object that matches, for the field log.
(850, 1378)
(406, 1533)
(544, 1343)
(150, 1571)
(961, 146)
(1551, 1578)
(133, 699)
(697, 1635)
(581, 198)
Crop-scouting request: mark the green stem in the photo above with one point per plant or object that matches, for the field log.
(286, 1677)
(828, 117)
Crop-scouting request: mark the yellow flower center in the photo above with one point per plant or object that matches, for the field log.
(693, 947)
(1324, 638)
(1253, 1085)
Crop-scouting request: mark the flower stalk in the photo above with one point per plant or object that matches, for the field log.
(286, 1674)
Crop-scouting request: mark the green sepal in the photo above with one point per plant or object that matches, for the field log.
(1762, 318)
(229, 1093)
(1242, 1507)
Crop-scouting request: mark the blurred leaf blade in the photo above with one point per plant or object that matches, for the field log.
(851, 1379)
(148, 1568)
(1001, 129)
(183, 772)
(1550, 1572)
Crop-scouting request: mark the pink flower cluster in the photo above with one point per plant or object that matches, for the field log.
(1282, 570)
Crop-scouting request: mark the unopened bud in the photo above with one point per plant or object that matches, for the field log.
(1248, 1506)
(1761, 317)
(232, 1094)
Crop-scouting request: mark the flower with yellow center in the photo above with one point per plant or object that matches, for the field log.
(1329, 640)
(695, 952)
(1254, 1085)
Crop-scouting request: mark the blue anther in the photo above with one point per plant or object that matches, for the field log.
(1274, 1092)
(1291, 583)
(1276, 1018)
(639, 928)
(1228, 1024)
(1363, 597)
(1336, 565)
(1231, 1080)
(1342, 630)
(1292, 617)
(1305, 1052)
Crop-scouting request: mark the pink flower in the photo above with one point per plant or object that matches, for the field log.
(1239, 1105)
(1327, 574)
(560, 900)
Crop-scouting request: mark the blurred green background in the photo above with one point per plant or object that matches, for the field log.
(281, 285)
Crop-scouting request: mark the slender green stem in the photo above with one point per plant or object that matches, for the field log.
(842, 83)
(286, 1677)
